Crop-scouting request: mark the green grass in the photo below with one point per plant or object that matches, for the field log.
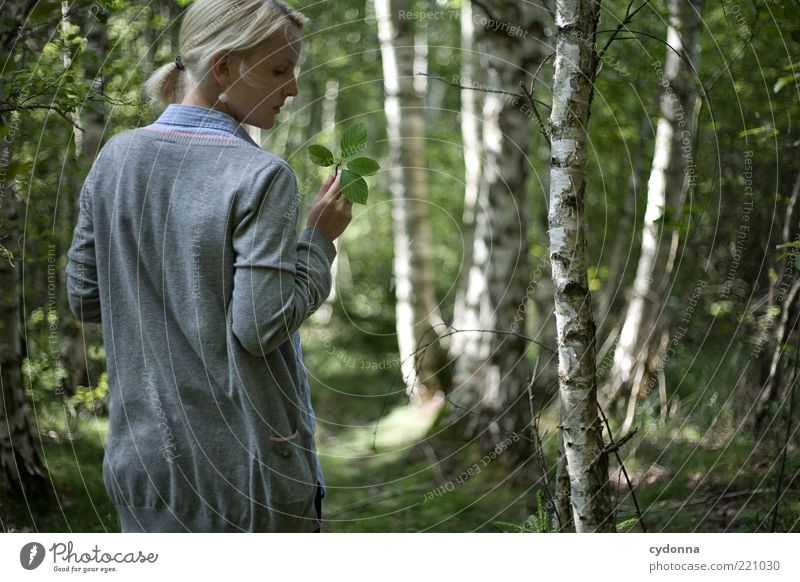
(384, 463)
(73, 454)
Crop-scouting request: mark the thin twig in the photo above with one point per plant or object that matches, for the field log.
(625, 21)
(727, 64)
(707, 500)
(529, 94)
(622, 466)
(537, 440)
(55, 108)
(614, 447)
(497, 331)
(485, 90)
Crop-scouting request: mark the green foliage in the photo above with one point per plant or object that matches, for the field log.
(48, 172)
(537, 523)
(363, 166)
(353, 185)
(320, 155)
(353, 139)
(626, 524)
(93, 400)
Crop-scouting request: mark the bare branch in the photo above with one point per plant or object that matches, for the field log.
(458, 86)
(529, 94)
(55, 108)
(625, 21)
(622, 465)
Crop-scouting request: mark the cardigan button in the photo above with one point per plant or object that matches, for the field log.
(286, 453)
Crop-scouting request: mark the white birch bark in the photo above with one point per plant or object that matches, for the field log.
(671, 158)
(471, 136)
(587, 463)
(491, 372)
(418, 317)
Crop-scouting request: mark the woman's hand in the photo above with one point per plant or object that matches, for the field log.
(331, 212)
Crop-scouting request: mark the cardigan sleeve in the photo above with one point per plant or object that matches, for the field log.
(82, 288)
(279, 280)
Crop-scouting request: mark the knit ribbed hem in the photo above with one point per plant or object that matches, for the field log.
(294, 517)
(315, 237)
(164, 520)
(191, 138)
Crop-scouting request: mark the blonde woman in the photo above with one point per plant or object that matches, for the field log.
(187, 252)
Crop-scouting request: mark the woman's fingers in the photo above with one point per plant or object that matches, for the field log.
(328, 181)
(328, 185)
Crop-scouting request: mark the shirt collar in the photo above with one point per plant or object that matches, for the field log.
(196, 116)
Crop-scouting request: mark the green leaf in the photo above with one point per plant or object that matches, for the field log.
(354, 187)
(320, 155)
(363, 166)
(626, 524)
(95, 105)
(353, 139)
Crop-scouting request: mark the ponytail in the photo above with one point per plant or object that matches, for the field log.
(165, 85)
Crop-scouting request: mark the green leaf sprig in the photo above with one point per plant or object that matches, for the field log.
(352, 182)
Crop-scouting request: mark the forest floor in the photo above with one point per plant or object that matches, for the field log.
(386, 471)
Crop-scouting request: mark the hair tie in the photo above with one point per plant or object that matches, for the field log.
(179, 63)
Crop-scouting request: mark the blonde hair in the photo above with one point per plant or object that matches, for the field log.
(212, 26)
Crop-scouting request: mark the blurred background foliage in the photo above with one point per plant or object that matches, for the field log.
(701, 471)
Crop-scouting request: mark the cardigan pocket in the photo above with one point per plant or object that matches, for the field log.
(292, 473)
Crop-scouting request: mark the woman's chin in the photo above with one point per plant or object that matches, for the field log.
(266, 124)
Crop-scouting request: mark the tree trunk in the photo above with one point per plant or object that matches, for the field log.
(581, 428)
(19, 457)
(75, 336)
(672, 158)
(622, 242)
(471, 136)
(783, 291)
(418, 319)
(492, 374)
(563, 509)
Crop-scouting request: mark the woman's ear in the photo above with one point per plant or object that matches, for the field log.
(221, 68)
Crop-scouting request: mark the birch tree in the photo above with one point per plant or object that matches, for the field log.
(492, 374)
(581, 428)
(669, 178)
(418, 318)
(471, 137)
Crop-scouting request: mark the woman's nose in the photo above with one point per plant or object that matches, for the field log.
(291, 87)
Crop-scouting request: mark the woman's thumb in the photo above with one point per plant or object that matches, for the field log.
(328, 181)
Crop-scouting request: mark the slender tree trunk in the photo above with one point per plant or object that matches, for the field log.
(418, 319)
(492, 373)
(471, 136)
(771, 389)
(581, 428)
(623, 228)
(784, 291)
(671, 158)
